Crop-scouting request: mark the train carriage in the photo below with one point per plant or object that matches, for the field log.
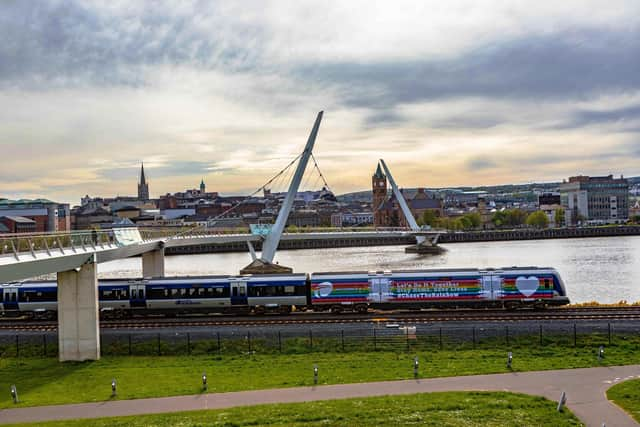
(509, 287)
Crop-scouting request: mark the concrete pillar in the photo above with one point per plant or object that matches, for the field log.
(78, 321)
(153, 263)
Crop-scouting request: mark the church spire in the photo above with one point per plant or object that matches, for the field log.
(143, 180)
(143, 186)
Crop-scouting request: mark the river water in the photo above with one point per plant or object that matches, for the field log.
(603, 269)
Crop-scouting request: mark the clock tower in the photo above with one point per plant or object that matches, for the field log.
(378, 196)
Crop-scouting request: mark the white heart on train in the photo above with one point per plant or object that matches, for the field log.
(325, 288)
(527, 285)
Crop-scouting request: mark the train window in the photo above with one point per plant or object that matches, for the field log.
(174, 293)
(546, 283)
(183, 292)
(235, 291)
(243, 291)
(166, 293)
(289, 290)
(201, 292)
(141, 293)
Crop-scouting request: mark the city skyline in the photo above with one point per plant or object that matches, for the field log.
(450, 95)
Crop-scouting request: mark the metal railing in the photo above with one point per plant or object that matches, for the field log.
(61, 243)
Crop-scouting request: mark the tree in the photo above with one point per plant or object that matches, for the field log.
(516, 217)
(538, 219)
(559, 217)
(475, 219)
(429, 218)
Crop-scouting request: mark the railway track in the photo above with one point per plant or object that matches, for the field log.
(564, 314)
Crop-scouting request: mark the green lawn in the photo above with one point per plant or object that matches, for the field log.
(627, 396)
(42, 381)
(436, 409)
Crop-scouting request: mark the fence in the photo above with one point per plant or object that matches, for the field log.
(269, 341)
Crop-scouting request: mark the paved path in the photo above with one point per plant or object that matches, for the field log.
(585, 390)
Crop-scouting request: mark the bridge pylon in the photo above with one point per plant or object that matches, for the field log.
(78, 315)
(265, 264)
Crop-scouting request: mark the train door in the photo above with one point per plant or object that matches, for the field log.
(239, 293)
(379, 289)
(137, 298)
(491, 285)
(10, 299)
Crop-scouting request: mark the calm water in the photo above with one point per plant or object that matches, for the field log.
(596, 269)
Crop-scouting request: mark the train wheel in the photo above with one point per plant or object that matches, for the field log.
(284, 309)
(336, 309)
(511, 305)
(362, 308)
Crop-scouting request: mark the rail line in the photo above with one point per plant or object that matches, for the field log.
(564, 314)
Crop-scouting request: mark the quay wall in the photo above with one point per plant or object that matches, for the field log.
(447, 237)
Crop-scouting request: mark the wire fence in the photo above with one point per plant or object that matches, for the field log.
(269, 341)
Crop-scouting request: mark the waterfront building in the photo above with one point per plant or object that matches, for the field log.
(17, 224)
(595, 200)
(48, 216)
(387, 212)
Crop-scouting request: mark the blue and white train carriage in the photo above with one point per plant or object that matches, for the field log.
(211, 294)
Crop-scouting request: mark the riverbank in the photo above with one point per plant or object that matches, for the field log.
(445, 237)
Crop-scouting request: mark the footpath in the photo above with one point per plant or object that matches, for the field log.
(585, 391)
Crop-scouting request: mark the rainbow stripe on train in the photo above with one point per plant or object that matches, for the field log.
(512, 286)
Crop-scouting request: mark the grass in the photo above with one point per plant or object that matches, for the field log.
(436, 409)
(627, 396)
(44, 381)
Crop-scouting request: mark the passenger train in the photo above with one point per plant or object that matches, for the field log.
(510, 288)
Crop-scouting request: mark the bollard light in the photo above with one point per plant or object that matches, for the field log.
(416, 365)
(14, 393)
(315, 374)
(509, 359)
(562, 401)
(113, 387)
(601, 353)
(204, 381)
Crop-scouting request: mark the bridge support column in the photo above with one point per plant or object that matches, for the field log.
(78, 327)
(153, 263)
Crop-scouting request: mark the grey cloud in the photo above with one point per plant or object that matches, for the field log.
(67, 43)
(620, 116)
(174, 168)
(574, 64)
(480, 163)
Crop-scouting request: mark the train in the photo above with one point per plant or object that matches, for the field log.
(338, 292)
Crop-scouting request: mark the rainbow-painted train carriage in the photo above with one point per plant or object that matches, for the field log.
(509, 287)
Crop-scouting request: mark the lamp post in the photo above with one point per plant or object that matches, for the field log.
(416, 365)
(14, 393)
(204, 381)
(315, 374)
(113, 387)
(509, 359)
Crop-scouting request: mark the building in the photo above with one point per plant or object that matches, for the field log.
(549, 199)
(17, 224)
(143, 186)
(595, 200)
(48, 216)
(388, 213)
(378, 196)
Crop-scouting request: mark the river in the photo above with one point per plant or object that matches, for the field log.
(603, 269)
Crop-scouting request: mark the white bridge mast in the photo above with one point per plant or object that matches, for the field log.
(403, 204)
(273, 238)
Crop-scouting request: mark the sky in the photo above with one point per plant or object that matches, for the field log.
(448, 93)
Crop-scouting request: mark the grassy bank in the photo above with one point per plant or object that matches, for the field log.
(627, 396)
(42, 381)
(436, 409)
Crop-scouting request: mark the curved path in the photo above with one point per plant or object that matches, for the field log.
(585, 389)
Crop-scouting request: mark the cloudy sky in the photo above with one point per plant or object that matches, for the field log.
(447, 92)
